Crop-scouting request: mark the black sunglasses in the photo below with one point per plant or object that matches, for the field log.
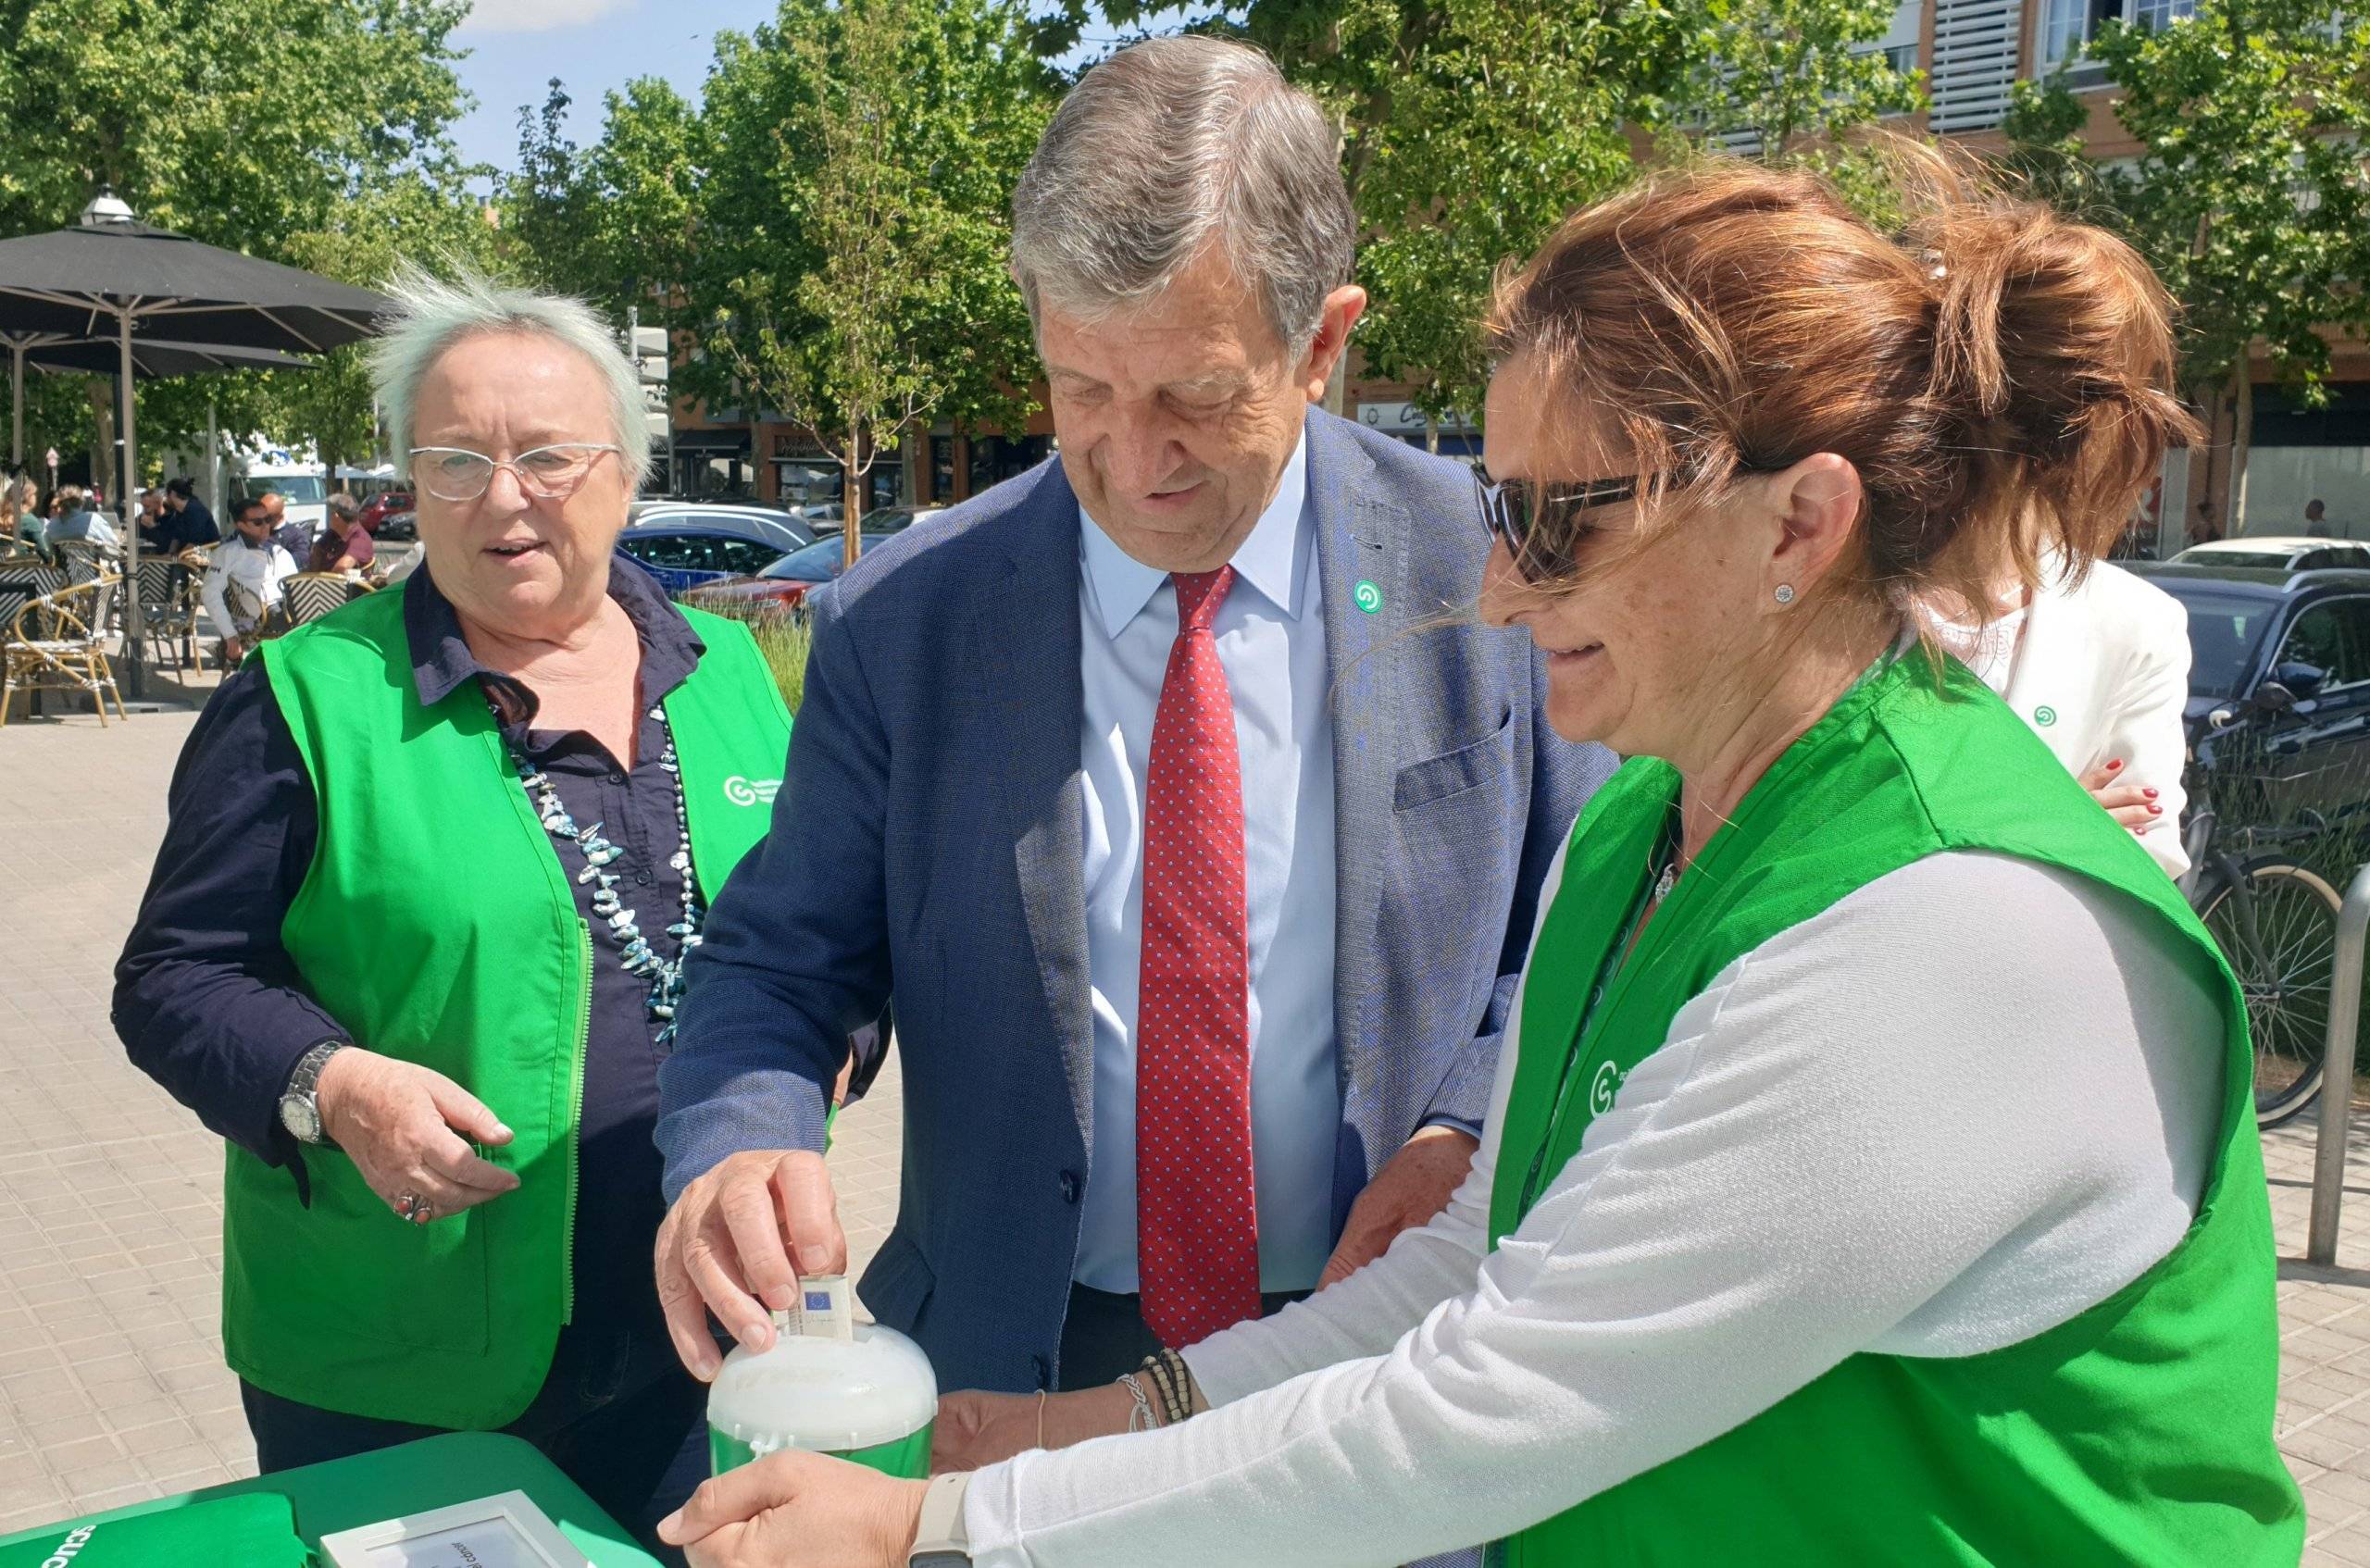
(1541, 524)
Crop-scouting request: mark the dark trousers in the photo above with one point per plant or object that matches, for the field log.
(612, 1416)
(1106, 1337)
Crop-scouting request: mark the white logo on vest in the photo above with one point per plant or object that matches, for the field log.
(1603, 1087)
(751, 792)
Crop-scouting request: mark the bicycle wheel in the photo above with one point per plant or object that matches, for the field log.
(2285, 974)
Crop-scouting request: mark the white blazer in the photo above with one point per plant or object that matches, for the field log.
(2100, 672)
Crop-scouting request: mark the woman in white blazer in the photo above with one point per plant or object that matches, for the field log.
(2100, 670)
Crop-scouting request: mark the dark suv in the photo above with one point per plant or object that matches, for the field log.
(2295, 647)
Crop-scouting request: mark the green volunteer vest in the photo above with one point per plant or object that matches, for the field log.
(437, 924)
(2138, 1433)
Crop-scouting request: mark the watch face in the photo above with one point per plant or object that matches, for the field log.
(301, 1117)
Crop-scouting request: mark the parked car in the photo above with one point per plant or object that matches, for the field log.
(767, 525)
(882, 520)
(783, 585)
(375, 510)
(2294, 646)
(2281, 552)
(402, 526)
(687, 544)
(684, 557)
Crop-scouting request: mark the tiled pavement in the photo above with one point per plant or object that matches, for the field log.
(112, 1387)
(111, 1382)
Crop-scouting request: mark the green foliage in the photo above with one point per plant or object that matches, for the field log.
(1788, 71)
(2248, 194)
(851, 228)
(288, 128)
(232, 121)
(1470, 127)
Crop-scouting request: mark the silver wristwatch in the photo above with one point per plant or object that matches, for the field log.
(300, 1107)
(941, 1540)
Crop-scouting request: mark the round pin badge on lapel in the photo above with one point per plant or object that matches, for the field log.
(1367, 596)
(2044, 716)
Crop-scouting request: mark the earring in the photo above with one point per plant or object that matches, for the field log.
(1784, 593)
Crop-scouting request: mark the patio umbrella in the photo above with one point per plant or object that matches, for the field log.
(151, 360)
(114, 277)
(52, 351)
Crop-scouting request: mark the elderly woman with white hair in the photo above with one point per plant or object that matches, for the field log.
(415, 938)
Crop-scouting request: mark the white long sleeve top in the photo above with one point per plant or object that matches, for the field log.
(259, 571)
(1962, 1105)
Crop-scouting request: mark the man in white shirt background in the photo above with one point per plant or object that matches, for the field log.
(249, 569)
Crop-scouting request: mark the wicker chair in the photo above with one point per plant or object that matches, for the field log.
(170, 597)
(308, 596)
(85, 562)
(23, 578)
(58, 640)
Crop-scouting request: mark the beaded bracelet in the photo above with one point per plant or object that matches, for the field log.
(1174, 1382)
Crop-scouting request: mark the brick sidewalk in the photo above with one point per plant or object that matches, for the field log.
(112, 1387)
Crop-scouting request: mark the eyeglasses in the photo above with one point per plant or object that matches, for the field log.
(454, 473)
(1539, 522)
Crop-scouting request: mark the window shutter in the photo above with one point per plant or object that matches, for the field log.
(1975, 44)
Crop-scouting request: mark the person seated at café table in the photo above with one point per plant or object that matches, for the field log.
(415, 932)
(187, 523)
(73, 516)
(20, 511)
(245, 580)
(344, 544)
(1871, 1173)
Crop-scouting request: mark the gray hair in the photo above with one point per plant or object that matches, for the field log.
(433, 315)
(1163, 148)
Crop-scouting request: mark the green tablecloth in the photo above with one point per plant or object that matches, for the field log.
(433, 1473)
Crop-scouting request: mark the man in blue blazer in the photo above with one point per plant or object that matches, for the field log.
(1192, 827)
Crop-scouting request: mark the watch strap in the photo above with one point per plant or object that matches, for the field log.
(941, 1540)
(304, 1084)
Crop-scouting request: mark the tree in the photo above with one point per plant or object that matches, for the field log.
(849, 268)
(1786, 72)
(546, 206)
(220, 119)
(2249, 192)
(637, 185)
(1470, 127)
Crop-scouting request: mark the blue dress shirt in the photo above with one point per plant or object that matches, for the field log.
(1270, 634)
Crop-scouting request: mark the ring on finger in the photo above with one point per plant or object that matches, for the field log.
(412, 1207)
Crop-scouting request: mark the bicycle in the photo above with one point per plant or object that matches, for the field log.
(2273, 917)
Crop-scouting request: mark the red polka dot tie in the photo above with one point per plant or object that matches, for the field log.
(1197, 1215)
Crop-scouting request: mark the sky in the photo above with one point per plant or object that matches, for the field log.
(517, 46)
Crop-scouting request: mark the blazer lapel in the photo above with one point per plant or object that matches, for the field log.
(1361, 553)
(1025, 624)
